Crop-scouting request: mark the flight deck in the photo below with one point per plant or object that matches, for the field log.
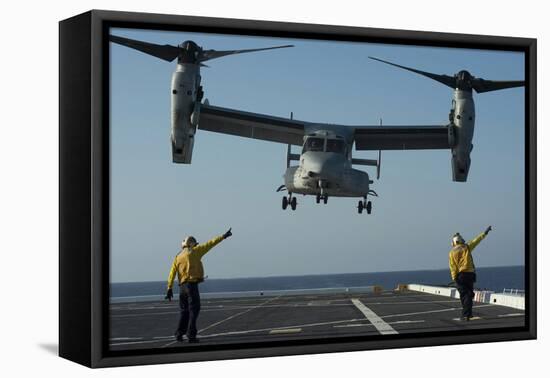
(151, 324)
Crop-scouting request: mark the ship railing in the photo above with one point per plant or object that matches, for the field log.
(517, 292)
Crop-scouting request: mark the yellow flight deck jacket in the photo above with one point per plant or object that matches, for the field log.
(460, 257)
(188, 264)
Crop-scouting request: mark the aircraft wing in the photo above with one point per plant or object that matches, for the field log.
(402, 137)
(251, 125)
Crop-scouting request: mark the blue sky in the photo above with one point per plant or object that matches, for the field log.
(232, 181)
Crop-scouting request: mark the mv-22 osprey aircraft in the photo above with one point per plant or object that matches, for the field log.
(325, 162)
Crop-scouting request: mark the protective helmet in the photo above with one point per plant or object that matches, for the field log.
(189, 241)
(457, 239)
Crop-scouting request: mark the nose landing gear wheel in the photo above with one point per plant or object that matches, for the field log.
(285, 203)
(318, 198)
(325, 199)
(293, 203)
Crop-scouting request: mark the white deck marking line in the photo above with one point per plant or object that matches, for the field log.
(286, 327)
(157, 340)
(382, 327)
(472, 318)
(171, 306)
(402, 303)
(151, 313)
(431, 312)
(238, 314)
(228, 308)
(228, 318)
(247, 331)
(510, 315)
(286, 330)
(407, 321)
(125, 338)
(354, 325)
(371, 325)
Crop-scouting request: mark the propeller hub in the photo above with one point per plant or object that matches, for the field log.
(190, 52)
(464, 80)
(189, 45)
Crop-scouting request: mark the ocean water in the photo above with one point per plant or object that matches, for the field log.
(495, 279)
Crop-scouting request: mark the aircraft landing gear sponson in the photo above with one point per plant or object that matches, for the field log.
(364, 205)
(290, 200)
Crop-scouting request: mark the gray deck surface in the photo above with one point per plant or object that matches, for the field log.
(234, 320)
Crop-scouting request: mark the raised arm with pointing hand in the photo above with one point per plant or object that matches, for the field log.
(228, 233)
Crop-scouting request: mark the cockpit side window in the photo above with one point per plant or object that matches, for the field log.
(336, 145)
(314, 144)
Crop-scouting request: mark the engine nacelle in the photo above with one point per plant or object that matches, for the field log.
(462, 121)
(184, 153)
(184, 111)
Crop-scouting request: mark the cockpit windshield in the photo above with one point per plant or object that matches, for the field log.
(314, 144)
(336, 145)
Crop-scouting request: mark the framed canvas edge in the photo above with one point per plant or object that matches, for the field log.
(100, 163)
(319, 348)
(75, 308)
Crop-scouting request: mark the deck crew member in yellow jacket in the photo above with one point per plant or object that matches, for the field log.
(463, 269)
(188, 267)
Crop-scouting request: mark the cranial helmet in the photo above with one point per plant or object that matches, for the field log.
(189, 241)
(457, 239)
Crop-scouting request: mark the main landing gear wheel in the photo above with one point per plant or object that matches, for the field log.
(318, 198)
(325, 199)
(362, 205)
(289, 200)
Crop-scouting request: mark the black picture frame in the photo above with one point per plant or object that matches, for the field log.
(84, 185)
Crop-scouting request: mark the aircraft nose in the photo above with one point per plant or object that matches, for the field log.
(327, 168)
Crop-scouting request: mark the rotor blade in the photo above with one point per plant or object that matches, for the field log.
(443, 79)
(213, 54)
(481, 85)
(164, 52)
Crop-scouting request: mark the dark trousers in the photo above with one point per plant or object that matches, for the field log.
(465, 285)
(190, 306)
